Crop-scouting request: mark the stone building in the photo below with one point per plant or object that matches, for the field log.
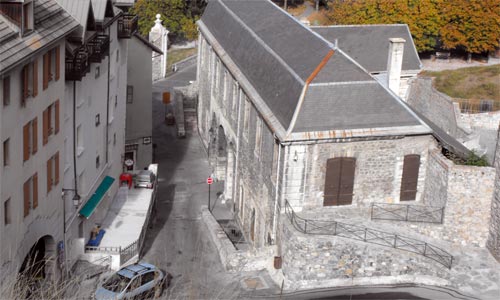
(289, 116)
(494, 229)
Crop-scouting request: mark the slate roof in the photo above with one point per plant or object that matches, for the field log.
(52, 23)
(6, 30)
(100, 7)
(279, 56)
(369, 44)
(80, 10)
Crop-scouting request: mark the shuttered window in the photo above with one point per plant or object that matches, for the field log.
(56, 117)
(49, 175)
(35, 78)
(26, 192)
(45, 126)
(409, 180)
(34, 135)
(24, 85)
(26, 141)
(339, 181)
(58, 63)
(56, 168)
(46, 70)
(35, 190)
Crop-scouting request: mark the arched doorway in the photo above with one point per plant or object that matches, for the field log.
(39, 263)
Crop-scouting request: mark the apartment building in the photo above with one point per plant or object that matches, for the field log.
(94, 116)
(32, 86)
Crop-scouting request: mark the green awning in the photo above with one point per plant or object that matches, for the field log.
(90, 206)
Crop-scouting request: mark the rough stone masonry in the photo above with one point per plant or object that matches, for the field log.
(493, 243)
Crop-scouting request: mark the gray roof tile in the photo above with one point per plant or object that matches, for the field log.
(278, 55)
(51, 23)
(369, 44)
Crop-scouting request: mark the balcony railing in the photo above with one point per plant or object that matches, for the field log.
(127, 26)
(77, 66)
(98, 48)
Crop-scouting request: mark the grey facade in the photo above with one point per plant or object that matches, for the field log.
(277, 101)
(139, 144)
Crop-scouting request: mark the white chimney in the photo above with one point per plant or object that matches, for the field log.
(394, 63)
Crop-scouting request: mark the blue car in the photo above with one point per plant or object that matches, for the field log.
(137, 281)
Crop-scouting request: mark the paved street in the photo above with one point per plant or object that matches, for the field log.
(177, 242)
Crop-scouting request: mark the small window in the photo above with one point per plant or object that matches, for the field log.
(116, 100)
(258, 136)
(97, 72)
(6, 212)
(130, 93)
(114, 138)
(117, 55)
(6, 152)
(97, 162)
(97, 120)
(246, 120)
(6, 90)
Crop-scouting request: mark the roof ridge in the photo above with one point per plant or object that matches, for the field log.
(357, 25)
(262, 43)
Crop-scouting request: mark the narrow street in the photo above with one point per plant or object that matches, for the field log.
(176, 241)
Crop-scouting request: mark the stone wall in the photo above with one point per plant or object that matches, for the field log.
(494, 228)
(379, 167)
(184, 101)
(437, 107)
(310, 259)
(466, 192)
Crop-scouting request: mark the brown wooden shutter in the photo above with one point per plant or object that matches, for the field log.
(56, 168)
(35, 190)
(34, 130)
(56, 105)
(26, 142)
(45, 126)
(35, 78)
(49, 59)
(26, 190)
(58, 63)
(409, 180)
(332, 181)
(347, 180)
(24, 85)
(6, 90)
(49, 175)
(45, 71)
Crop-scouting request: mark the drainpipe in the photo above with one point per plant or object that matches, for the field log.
(275, 216)
(74, 141)
(107, 98)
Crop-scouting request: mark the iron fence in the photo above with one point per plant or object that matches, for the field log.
(368, 235)
(128, 252)
(407, 212)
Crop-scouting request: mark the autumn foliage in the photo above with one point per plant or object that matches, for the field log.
(471, 25)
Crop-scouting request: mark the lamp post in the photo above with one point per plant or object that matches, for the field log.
(76, 202)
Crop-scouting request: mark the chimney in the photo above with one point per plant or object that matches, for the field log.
(394, 63)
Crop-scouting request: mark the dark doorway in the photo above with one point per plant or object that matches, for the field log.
(33, 266)
(409, 180)
(129, 161)
(339, 181)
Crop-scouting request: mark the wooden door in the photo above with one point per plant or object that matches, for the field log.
(339, 181)
(409, 180)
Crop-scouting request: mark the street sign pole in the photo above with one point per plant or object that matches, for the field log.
(209, 182)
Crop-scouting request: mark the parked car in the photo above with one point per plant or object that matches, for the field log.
(137, 281)
(144, 178)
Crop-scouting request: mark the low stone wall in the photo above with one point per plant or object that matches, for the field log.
(494, 230)
(436, 106)
(232, 259)
(466, 192)
(191, 60)
(184, 102)
(319, 260)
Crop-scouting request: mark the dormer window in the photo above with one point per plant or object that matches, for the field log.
(28, 19)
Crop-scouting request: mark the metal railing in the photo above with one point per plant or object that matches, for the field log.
(368, 235)
(128, 252)
(127, 26)
(110, 250)
(407, 213)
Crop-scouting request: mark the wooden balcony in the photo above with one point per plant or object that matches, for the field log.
(98, 48)
(77, 66)
(127, 26)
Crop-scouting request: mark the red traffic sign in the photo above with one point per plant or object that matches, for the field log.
(210, 180)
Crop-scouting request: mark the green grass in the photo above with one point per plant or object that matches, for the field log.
(177, 55)
(469, 83)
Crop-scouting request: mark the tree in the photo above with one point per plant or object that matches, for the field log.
(172, 12)
(189, 29)
(470, 24)
(473, 25)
